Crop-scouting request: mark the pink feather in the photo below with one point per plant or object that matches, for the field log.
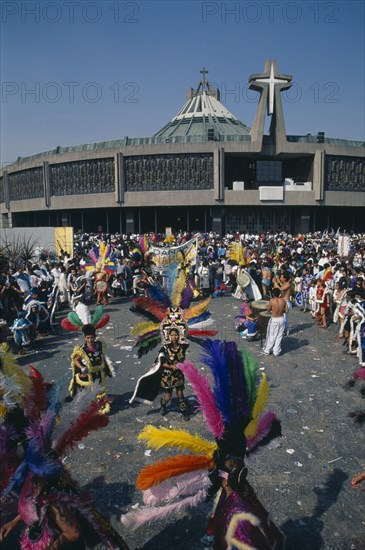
(147, 514)
(263, 429)
(207, 404)
(93, 256)
(360, 373)
(186, 484)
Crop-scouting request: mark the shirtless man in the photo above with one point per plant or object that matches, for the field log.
(285, 292)
(276, 326)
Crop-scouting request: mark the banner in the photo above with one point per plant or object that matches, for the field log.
(186, 253)
(64, 240)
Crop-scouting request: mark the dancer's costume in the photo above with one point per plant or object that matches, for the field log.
(103, 266)
(21, 330)
(233, 412)
(96, 365)
(39, 480)
(322, 300)
(157, 377)
(172, 308)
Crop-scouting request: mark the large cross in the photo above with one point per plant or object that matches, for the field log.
(204, 72)
(271, 81)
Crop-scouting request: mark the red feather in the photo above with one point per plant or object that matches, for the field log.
(196, 332)
(67, 325)
(152, 307)
(91, 419)
(103, 321)
(37, 400)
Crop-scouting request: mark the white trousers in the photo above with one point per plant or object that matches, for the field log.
(274, 335)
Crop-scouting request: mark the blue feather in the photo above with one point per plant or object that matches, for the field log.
(215, 359)
(237, 381)
(172, 273)
(54, 396)
(157, 294)
(96, 250)
(17, 479)
(199, 319)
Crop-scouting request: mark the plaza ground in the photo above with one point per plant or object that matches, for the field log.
(302, 478)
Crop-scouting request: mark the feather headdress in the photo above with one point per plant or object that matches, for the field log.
(81, 316)
(101, 259)
(233, 405)
(158, 302)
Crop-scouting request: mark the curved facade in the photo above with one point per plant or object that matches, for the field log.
(203, 170)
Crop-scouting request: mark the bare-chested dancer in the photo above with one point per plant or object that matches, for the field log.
(275, 329)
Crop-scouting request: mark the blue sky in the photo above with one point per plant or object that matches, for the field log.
(83, 71)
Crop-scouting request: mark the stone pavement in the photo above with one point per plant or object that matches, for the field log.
(303, 478)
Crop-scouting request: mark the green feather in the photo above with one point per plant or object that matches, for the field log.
(251, 366)
(75, 319)
(98, 313)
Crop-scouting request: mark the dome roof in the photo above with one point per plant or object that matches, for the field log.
(203, 112)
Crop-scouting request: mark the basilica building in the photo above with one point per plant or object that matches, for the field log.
(203, 170)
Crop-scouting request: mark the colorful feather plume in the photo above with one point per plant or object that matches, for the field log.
(251, 366)
(207, 405)
(157, 294)
(180, 284)
(197, 309)
(36, 401)
(173, 466)
(171, 489)
(147, 514)
(98, 313)
(66, 325)
(75, 319)
(360, 374)
(187, 295)
(214, 359)
(15, 385)
(235, 252)
(148, 344)
(103, 321)
(237, 381)
(158, 438)
(142, 328)
(147, 304)
(259, 406)
(88, 421)
(269, 427)
(202, 333)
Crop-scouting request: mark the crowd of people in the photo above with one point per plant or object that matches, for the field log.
(322, 274)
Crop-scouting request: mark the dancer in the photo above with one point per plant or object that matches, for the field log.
(88, 362)
(276, 326)
(233, 412)
(239, 519)
(165, 373)
(21, 332)
(50, 504)
(323, 303)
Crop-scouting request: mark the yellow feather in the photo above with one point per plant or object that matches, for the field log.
(157, 438)
(102, 249)
(179, 286)
(235, 252)
(142, 328)
(196, 309)
(12, 369)
(259, 406)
